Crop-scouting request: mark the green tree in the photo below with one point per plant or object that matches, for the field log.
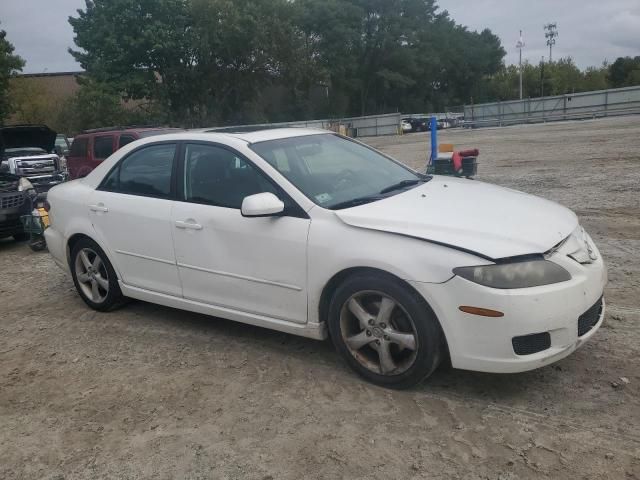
(142, 49)
(10, 64)
(625, 72)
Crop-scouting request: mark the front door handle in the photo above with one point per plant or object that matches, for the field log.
(190, 224)
(98, 208)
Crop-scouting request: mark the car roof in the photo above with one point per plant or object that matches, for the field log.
(258, 134)
(130, 129)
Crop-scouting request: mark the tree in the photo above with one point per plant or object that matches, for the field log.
(625, 72)
(30, 102)
(97, 105)
(10, 64)
(237, 61)
(142, 49)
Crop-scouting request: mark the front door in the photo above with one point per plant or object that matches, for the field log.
(131, 213)
(254, 265)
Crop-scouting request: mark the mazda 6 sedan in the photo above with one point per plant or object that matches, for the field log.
(314, 234)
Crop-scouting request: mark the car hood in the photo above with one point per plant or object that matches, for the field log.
(485, 219)
(21, 136)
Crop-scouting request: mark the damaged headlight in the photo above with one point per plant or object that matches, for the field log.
(531, 273)
(24, 184)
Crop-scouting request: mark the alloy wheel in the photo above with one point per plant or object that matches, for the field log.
(379, 333)
(92, 275)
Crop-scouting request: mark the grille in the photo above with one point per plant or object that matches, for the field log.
(10, 227)
(588, 319)
(8, 186)
(36, 167)
(11, 201)
(534, 343)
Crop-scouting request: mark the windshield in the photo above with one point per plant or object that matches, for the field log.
(335, 172)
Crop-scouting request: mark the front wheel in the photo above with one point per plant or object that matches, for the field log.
(94, 277)
(384, 330)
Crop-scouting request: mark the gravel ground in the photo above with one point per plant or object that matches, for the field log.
(148, 391)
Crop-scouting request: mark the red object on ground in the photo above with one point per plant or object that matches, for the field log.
(474, 152)
(456, 159)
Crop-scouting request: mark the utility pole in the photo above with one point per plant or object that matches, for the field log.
(551, 32)
(542, 77)
(520, 46)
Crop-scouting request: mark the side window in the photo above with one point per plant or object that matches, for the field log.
(102, 147)
(145, 172)
(79, 147)
(125, 140)
(215, 176)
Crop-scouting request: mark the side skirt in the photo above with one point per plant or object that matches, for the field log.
(317, 331)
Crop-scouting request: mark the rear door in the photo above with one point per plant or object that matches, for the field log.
(131, 213)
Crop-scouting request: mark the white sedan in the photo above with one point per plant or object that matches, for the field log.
(314, 234)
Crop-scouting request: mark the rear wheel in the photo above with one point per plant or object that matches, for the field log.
(94, 277)
(384, 330)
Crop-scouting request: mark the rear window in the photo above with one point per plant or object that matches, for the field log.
(79, 147)
(102, 147)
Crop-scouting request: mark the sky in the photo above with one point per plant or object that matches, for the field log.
(590, 31)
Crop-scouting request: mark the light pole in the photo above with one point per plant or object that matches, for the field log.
(520, 46)
(551, 32)
(542, 77)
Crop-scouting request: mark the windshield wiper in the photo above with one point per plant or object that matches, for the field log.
(355, 202)
(402, 184)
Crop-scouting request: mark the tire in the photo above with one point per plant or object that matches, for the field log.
(87, 273)
(21, 237)
(388, 314)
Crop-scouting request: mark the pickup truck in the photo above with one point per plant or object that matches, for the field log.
(29, 151)
(29, 167)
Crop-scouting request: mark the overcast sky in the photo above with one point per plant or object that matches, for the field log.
(589, 30)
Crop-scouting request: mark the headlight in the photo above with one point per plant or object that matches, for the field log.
(531, 273)
(24, 184)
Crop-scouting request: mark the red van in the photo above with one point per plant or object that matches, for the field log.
(91, 147)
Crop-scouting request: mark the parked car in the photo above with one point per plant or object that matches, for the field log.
(315, 234)
(62, 144)
(16, 194)
(91, 147)
(420, 124)
(29, 151)
(405, 125)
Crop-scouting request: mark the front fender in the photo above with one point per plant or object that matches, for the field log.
(335, 247)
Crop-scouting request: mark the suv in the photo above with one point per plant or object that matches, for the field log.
(29, 151)
(91, 147)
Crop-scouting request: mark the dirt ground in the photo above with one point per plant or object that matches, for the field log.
(151, 392)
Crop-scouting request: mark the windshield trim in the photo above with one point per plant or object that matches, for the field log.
(419, 176)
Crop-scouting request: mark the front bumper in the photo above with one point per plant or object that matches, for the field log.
(486, 344)
(12, 206)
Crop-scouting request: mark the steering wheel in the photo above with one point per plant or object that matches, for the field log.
(344, 177)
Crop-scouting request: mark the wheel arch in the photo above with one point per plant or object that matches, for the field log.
(73, 239)
(334, 282)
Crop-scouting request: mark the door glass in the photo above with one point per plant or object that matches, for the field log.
(102, 147)
(125, 140)
(216, 176)
(145, 172)
(79, 147)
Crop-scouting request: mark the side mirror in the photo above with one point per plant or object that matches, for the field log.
(261, 205)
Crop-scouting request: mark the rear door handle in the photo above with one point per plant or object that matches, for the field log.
(188, 224)
(98, 208)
